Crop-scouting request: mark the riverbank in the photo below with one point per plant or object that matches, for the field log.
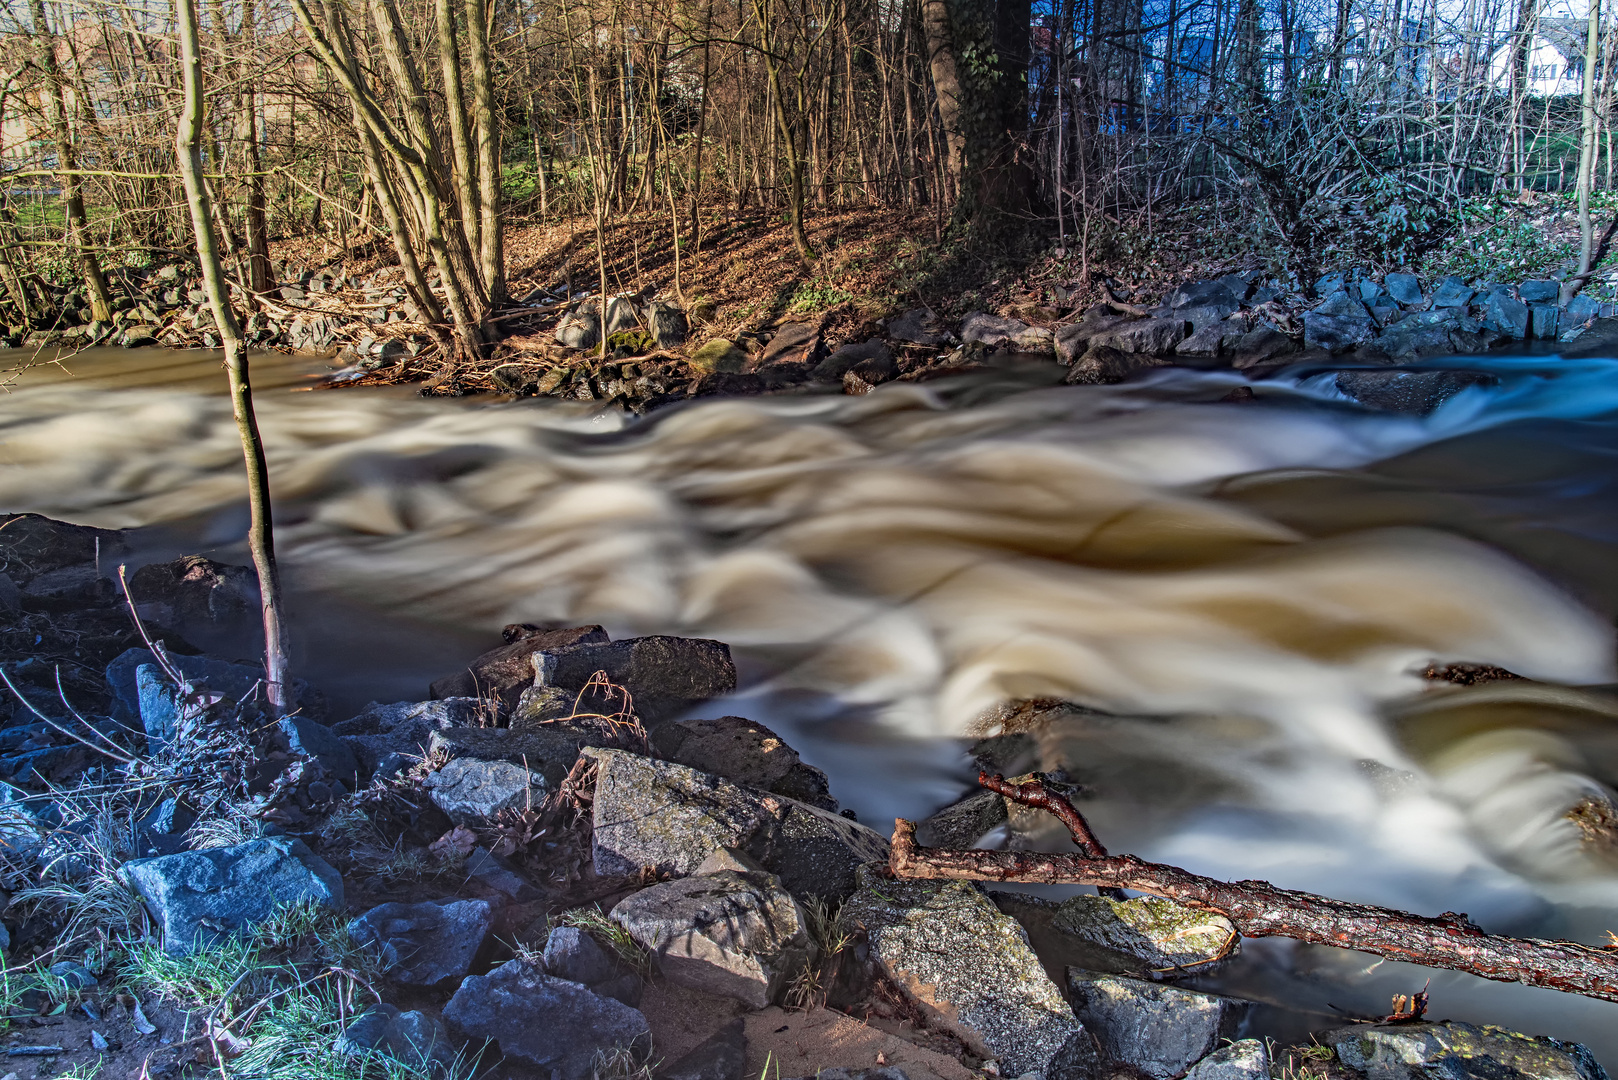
(563, 847)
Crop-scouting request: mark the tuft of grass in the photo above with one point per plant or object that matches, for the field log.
(608, 934)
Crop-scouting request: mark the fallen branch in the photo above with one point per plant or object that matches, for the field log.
(1259, 909)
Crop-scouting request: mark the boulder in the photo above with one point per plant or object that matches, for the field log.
(579, 326)
(387, 738)
(496, 873)
(431, 944)
(1452, 292)
(234, 681)
(1541, 291)
(964, 824)
(793, 343)
(539, 707)
(1542, 321)
(508, 670)
(835, 366)
(969, 970)
(921, 326)
(1340, 323)
(1150, 336)
(548, 750)
(1423, 333)
(1416, 393)
(1153, 932)
(672, 817)
(574, 955)
(162, 830)
(414, 1038)
(721, 1056)
(198, 598)
(731, 933)
(993, 331)
(555, 1026)
(623, 313)
(312, 739)
(1260, 345)
(666, 675)
(746, 752)
(867, 375)
(1457, 1051)
(1218, 293)
(718, 356)
(1212, 341)
(1157, 1029)
(1506, 316)
(470, 791)
(1333, 282)
(1072, 340)
(1245, 1059)
(668, 324)
(1405, 289)
(195, 897)
(1104, 365)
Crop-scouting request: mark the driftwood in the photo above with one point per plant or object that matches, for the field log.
(1259, 909)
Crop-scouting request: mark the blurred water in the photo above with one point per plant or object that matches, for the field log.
(1248, 590)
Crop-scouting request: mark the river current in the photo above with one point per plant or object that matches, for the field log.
(1246, 591)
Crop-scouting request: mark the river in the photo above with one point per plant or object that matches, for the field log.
(1247, 590)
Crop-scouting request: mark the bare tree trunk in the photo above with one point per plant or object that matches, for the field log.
(942, 65)
(260, 533)
(491, 250)
(1587, 156)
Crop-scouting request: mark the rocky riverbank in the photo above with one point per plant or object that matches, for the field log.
(564, 860)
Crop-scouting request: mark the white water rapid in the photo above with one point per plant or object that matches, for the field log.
(1249, 588)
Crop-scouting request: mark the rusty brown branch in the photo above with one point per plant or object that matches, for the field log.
(1259, 909)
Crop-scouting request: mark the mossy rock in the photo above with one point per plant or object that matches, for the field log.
(630, 343)
(718, 355)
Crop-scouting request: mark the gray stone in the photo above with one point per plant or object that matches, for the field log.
(470, 791)
(1151, 336)
(835, 366)
(1540, 291)
(672, 817)
(1330, 283)
(1160, 1030)
(312, 739)
(1542, 321)
(162, 831)
(1452, 292)
(1504, 315)
(1160, 933)
(721, 1056)
(1404, 288)
(1211, 342)
(387, 738)
(732, 934)
(921, 326)
(744, 751)
(505, 672)
(1423, 333)
(579, 327)
(414, 1038)
(198, 598)
(623, 313)
(666, 675)
(234, 681)
(547, 749)
(491, 870)
(539, 707)
(195, 897)
(964, 824)
(430, 944)
(993, 331)
(1245, 1059)
(970, 971)
(839, 1072)
(572, 954)
(556, 1026)
(668, 323)
(1260, 345)
(1105, 365)
(1203, 302)
(1341, 322)
(1416, 393)
(1457, 1051)
(793, 343)
(1073, 339)
(1580, 309)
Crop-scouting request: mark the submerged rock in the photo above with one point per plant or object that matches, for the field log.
(195, 897)
(1104, 365)
(970, 971)
(1160, 1030)
(733, 934)
(1457, 1051)
(1414, 392)
(1159, 933)
(553, 1025)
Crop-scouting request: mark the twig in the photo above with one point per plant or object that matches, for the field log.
(1259, 909)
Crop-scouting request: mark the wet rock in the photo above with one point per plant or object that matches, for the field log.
(1452, 292)
(196, 897)
(1424, 333)
(553, 1025)
(668, 324)
(387, 738)
(1104, 365)
(1414, 392)
(1506, 316)
(1204, 303)
(1158, 933)
(510, 669)
(992, 331)
(1457, 1051)
(1261, 345)
(659, 814)
(732, 934)
(1541, 291)
(1213, 341)
(921, 326)
(579, 327)
(414, 1038)
(430, 944)
(970, 971)
(1405, 289)
(1072, 340)
(572, 954)
(470, 792)
(1151, 336)
(1245, 1059)
(1159, 1030)
(666, 675)
(746, 752)
(835, 366)
(719, 356)
(548, 750)
(310, 738)
(867, 375)
(719, 1057)
(1542, 321)
(1340, 323)
(793, 343)
(964, 824)
(198, 597)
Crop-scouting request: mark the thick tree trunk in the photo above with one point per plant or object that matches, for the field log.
(944, 67)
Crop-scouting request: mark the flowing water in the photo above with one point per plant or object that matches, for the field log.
(1248, 590)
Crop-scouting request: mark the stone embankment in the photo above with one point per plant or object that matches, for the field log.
(609, 871)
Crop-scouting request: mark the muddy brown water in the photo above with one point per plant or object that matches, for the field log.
(1247, 590)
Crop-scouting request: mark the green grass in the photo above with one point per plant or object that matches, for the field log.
(594, 921)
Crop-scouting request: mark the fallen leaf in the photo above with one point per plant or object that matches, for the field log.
(142, 1025)
(98, 1041)
(455, 844)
